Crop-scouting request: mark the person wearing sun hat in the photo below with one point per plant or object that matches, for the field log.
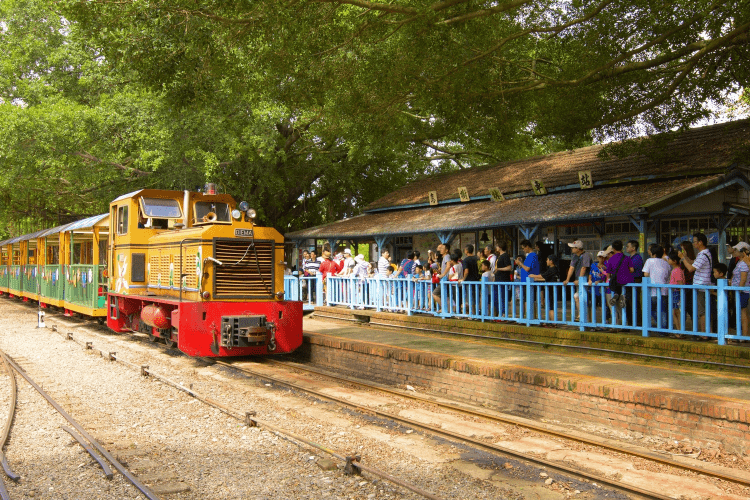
(580, 266)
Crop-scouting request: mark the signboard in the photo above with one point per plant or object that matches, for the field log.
(243, 232)
(433, 197)
(496, 195)
(538, 186)
(463, 193)
(585, 179)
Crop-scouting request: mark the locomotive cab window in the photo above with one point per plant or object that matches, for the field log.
(212, 211)
(122, 219)
(159, 211)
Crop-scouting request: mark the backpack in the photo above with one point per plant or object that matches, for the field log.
(613, 278)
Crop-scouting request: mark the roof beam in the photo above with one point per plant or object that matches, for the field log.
(529, 231)
(445, 237)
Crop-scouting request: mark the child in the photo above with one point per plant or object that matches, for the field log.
(677, 277)
(486, 268)
(417, 276)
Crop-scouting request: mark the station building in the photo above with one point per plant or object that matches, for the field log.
(656, 189)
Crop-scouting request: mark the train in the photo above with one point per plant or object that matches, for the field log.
(190, 269)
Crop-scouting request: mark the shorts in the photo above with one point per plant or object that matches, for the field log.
(675, 299)
(744, 296)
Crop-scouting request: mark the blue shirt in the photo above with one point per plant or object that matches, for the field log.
(532, 262)
(637, 262)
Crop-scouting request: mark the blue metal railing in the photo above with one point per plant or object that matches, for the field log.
(649, 309)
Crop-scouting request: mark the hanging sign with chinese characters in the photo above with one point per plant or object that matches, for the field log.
(433, 197)
(496, 195)
(463, 193)
(538, 186)
(585, 179)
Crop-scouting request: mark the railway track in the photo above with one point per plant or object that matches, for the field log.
(245, 368)
(507, 420)
(91, 445)
(477, 443)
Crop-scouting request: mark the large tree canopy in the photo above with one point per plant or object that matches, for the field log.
(311, 109)
(474, 73)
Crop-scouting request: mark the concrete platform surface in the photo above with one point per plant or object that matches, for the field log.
(695, 381)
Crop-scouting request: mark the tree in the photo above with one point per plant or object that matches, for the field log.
(477, 75)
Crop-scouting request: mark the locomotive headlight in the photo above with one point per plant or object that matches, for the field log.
(251, 213)
(236, 214)
(243, 206)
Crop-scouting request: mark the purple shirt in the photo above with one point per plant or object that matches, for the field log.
(623, 273)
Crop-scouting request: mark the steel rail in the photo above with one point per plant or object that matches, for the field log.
(247, 418)
(643, 455)
(654, 457)
(105, 468)
(120, 468)
(4, 494)
(11, 415)
(581, 475)
(544, 344)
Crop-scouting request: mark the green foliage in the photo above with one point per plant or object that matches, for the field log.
(309, 110)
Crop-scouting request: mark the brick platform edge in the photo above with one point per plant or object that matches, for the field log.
(629, 343)
(704, 421)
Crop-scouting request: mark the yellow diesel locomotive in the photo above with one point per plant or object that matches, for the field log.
(189, 268)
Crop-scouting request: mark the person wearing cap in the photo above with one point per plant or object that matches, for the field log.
(597, 277)
(739, 279)
(327, 268)
(346, 268)
(580, 267)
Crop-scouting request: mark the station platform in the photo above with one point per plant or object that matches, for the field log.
(621, 384)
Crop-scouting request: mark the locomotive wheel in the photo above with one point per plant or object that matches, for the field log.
(152, 337)
(168, 340)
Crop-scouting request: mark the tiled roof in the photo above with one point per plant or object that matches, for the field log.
(699, 151)
(557, 207)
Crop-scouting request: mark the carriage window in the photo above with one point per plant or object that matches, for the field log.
(53, 255)
(103, 252)
(205, 209)
(161, 209)
(122, 220)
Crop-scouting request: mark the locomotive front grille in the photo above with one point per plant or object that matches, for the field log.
(247, 270)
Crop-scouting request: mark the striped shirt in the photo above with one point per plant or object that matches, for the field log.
(312, 267)
(740, 268)
(702, 265)
(383, 265)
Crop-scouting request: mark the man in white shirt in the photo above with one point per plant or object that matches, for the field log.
(348, 268)
(384, 263)
(658, 270)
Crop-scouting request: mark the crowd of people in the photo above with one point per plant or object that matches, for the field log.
(614, 267)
